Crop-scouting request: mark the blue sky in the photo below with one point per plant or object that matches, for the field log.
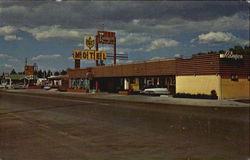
(47, 31)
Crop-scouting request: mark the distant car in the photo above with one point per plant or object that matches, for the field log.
(47, 87)
(19, 86)
(155, 91)
(2, 86)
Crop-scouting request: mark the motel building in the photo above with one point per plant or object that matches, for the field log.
(227, 75)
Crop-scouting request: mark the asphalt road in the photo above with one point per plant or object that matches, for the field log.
(34, 127)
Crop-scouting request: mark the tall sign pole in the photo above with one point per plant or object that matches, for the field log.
(96, 48)
(115, 52)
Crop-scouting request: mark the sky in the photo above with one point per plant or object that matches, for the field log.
(46, 32)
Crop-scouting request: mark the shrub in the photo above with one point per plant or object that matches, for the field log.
(213, 95)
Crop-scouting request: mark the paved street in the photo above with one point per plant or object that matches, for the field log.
(48, 127)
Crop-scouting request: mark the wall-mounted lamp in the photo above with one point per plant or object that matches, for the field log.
(234, 77)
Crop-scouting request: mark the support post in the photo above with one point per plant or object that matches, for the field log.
(115, 52)
(77, 64)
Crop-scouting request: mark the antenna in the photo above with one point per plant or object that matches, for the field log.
(103, 30)
(26, 61)
(35, 66)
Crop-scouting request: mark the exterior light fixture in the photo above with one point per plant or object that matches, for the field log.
(234, 77)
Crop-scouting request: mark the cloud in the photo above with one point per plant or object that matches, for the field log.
(161, 17)
(118, 61)
(9, 58)
(218, 38)
(43, 33)
(129, 39)
(7, 66)
(53, 56)
(106, 48)
(128, 61)
(13, 60)
(5, 30)
(161, 43)
(245, 42)
(4, 56)
(178, 55)
(80, 45)
(156, 58)
(12, 38)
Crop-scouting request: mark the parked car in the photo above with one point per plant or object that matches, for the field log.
(47, 87)
(2, 86)
(19, 86)
(155, 91)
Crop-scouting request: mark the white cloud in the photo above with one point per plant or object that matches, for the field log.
(106, 48)
(132, 39)
(178, 25)
(54, 32)
(129, 61)
(52, 56)
(9, 58)
(118, 61)
(218, 37)
(245, 42)
(7, 66)
(135, 21)
(162, 43)
(5, 30)
(156, 58)
(4, 56)
(13, 60)
(223, 23)
(80, 45)
(12, 38)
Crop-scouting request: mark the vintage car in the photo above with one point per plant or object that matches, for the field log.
(19, 86)
(155, 91)
(47, 87)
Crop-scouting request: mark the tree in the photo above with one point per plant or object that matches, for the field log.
(221, 51)
(56, 73)
(63, 72)
(40, 74)
(247, 49)
(49, 73)
(13, 71)
(44, 74)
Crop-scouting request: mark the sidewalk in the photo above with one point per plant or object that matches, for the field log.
(140, 98)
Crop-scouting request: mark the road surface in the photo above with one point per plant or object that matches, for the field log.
(34, 127)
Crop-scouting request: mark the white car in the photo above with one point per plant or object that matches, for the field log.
(47, 87)
(19, 86)
(155, 91)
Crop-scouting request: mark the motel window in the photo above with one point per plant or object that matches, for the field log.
(132, 81)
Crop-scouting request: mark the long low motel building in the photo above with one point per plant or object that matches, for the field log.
(226, 74)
